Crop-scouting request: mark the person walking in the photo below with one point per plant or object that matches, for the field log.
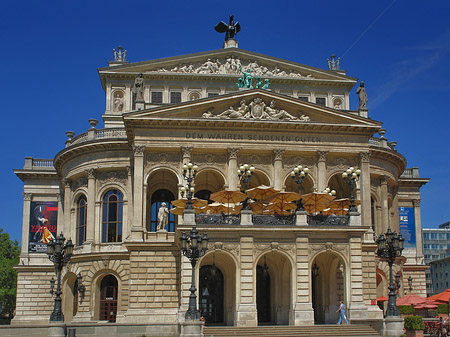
(342, 313)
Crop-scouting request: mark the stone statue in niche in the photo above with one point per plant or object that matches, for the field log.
(118, 102)
(163, 217)
(362, 95)
(138, 88)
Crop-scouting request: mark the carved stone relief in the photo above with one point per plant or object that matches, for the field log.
(274, 246)
(233, 66)
(257, 110)
(338, 163)
(232, 248)
(80, 182)
(162, 157)
(292, 161)
(112, 176)
(255, 159)
(328, 246)
(210, 159)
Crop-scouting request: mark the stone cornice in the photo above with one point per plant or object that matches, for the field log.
(388, 155)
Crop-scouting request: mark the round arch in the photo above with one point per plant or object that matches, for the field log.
(329, 284)
(291, 186)
(210, 179)
(227, 265)
(337, 183)
(259, 177)
(69, 296)
(96, 291)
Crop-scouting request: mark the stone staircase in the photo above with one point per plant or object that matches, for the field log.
(350, 330)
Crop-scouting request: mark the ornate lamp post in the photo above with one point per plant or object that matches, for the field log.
(397, 283)
(189, 173)
(60, 254)
(298, 175)
(390, 246)
(245, 173)
(410, 279)
(193, 247)
(350, 176)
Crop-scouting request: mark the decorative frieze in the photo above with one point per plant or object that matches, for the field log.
(80, 182)
(233, 248)
(162, 157)
(112, 176)
(339, 163)
(274, 246)
(328, 246)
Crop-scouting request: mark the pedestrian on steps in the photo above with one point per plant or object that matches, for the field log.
(341, 310)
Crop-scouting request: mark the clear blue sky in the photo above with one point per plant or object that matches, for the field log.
(51, 51)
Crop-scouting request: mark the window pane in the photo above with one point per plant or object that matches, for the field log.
(175, 97)
(321, 101)
(212, 94)
(303, 98)
(156, 97)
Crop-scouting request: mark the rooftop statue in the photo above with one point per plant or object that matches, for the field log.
(138, 88)
(231, 29)
(362, 95)
(333, 64)
(120, 55)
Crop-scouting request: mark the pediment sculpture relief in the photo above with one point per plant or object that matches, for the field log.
(232, 65)
(258, 110)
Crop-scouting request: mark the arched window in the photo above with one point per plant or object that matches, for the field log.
(81, 219)
(204, 194)
(112, 216)
(160, 196)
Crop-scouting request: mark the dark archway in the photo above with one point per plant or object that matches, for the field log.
(211, 294)
(108, 299)
(263, 294)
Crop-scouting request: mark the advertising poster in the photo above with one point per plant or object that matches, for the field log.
(42, 215)
(407, 226)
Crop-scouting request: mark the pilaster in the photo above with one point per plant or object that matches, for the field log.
(91, 198)
(321, 170)
(384, 204)
(25, 224)
(357, 307)
(418, 222)
(365, 188)
(278, 169)
(137, 225)
(67, 210)
(232, 168)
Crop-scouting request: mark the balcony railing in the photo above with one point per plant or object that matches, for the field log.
(217, 219)
(94, 134)
(38, 164)
(328, 220)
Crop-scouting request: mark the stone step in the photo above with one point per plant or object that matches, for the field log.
(351, 330)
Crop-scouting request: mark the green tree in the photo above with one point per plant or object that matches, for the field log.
(9, 257)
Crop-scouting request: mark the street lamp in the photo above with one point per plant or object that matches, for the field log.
(298, 175)
(410, 279)
(193, 247)
(397, 283)
(350, 176)
(390, 246)
(189, 173)
(60, 254)
(245, 173)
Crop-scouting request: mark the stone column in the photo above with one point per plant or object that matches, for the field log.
(128, 98)
(278, 169)
(91, 198)
(384, 204)
(394, 216)
(62, 226)
(365, 189)
(321, 170)
(187, 154)
(232, 169)
(418, 223)
(67, 210)
(246, 314)
(303, 313)
(357, 308)
(25, 224)
(138, 187)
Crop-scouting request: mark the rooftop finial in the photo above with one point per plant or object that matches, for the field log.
(333, 64)
(120, 55)
(231, 30)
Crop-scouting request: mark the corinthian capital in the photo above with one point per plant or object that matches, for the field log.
(416, 202)
(90, 173)
(187, 152)
(322, 155)
(27, 196)
(138, 150)
(278, 154)
(233, 152)
(364, 156)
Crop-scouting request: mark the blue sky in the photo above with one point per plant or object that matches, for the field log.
(51, 51)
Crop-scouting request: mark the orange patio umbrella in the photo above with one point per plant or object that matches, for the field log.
(261, 192)
(195, 201)
(180, 210)
(382, 299)
(317, 201)
(228, 197)
(442, 297)
(411, 299)
(283, 197)
(279, 207)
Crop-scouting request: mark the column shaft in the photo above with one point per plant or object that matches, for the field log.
(384, 204)
(278, 169)
(232, 169)
(321, 170)
(91, 198)
(365, 189)
(138, 189)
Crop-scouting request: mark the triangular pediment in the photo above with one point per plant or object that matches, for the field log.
(227, 62)
(251, 108)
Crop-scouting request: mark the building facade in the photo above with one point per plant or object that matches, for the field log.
(436, 245)
(105, 186)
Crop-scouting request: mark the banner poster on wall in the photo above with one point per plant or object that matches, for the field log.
(42, 215)
(407, 226)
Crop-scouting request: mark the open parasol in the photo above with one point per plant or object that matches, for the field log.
(283, 197)
(442, 297)
(411, 299)
(228, 197)
(261, 192)
(317, 201)
(195, 201)
(382, 299)
(278, 212)
(256, 206)
(280, 207)
(180, 210)
(342, 203)
(335, 211)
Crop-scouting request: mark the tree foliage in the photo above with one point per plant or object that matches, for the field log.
(9, 257)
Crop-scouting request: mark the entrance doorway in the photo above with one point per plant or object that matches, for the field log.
(108, 299)
(211, 294)
(263, 294)
(328, 287)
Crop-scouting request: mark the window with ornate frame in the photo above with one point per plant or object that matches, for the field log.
(112, 216)
(81, 219)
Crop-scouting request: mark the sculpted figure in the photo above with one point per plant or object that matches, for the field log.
(361, 92)
(266, 84)
(304, 118)
(206, 68)
(163, 216)
(118, 103)
(208, 113)
(138, 88)
(276, 114)
(230, 113)
(231, 29)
